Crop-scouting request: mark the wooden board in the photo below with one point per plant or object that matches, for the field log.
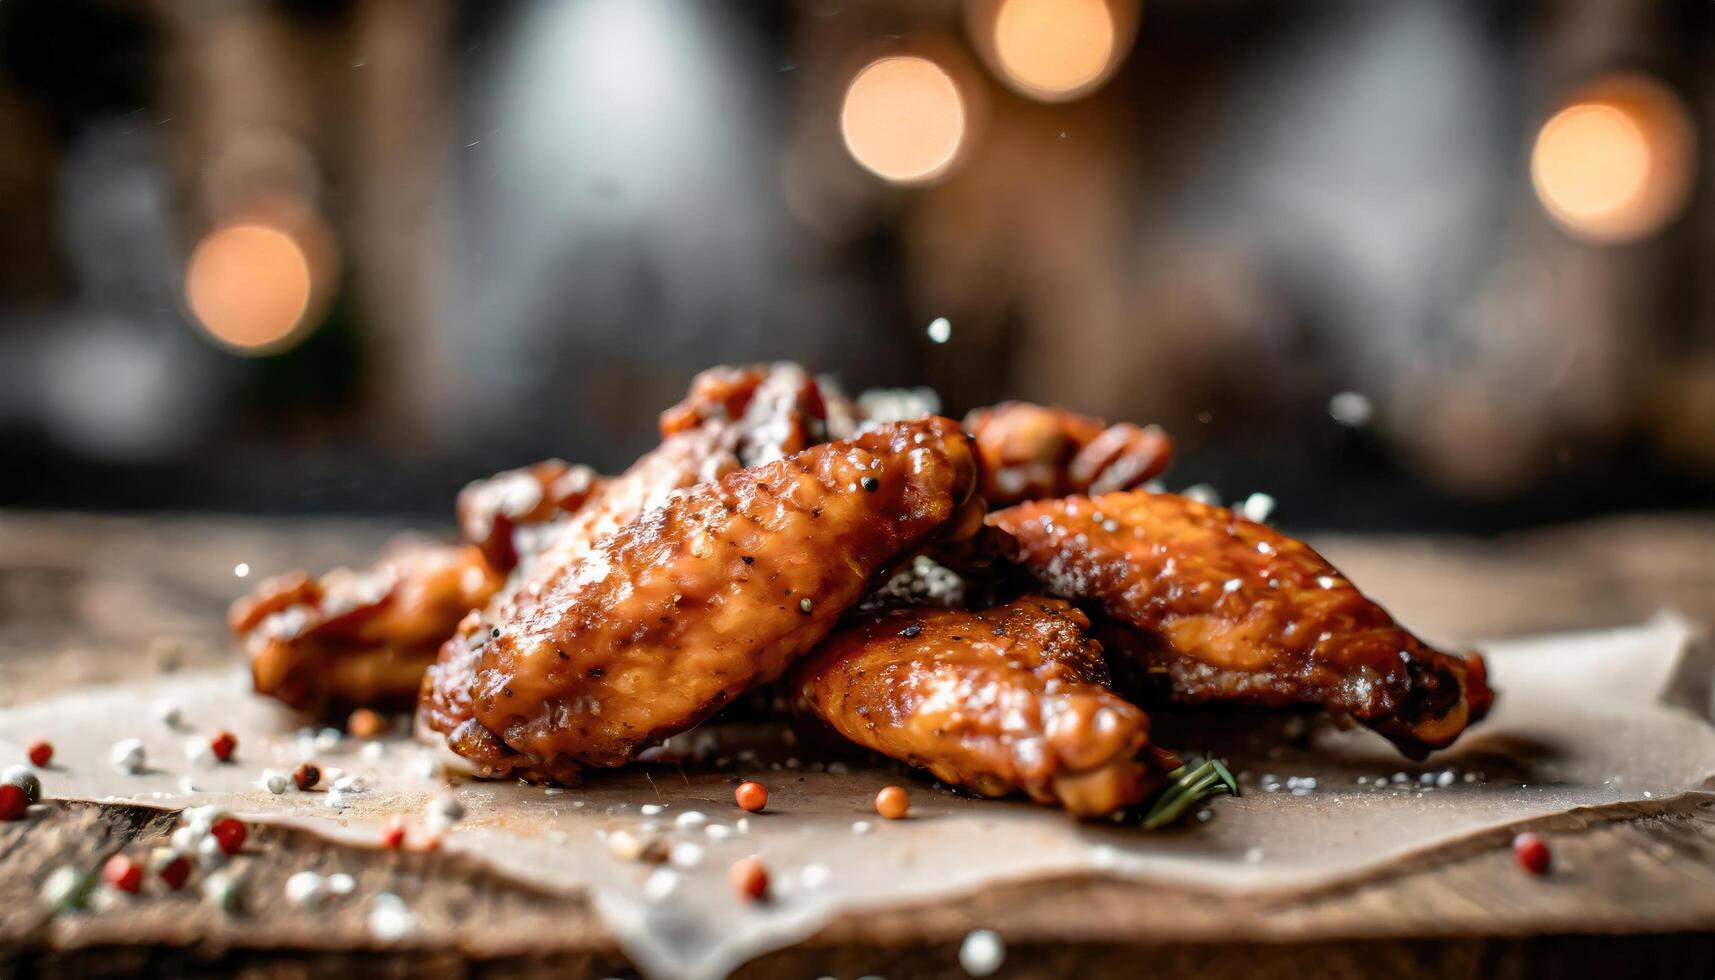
(82, 597)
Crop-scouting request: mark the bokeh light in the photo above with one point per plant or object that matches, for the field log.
(1054, 50)
(249, 285)
(903, 119)
(1615, 164)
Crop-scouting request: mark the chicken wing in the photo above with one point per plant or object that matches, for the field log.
(1010, 698)
(1033, 452)
(774, 409)
(489, 511)
(762, 413)
(360, 637)
(695, 602)
(1236, 611)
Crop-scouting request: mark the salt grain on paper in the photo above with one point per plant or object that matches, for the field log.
(128, 756)
(813, 875)
(198, 752)
(662, 883)
(624, 845)
(686, 855)
(445, 811)
(426, 766)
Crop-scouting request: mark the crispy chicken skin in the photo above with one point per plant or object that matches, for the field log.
(774, 407)
(746, 415)
(1235, 611)
(444, 709)
(1008, 699)
(490, 510)
(779, 407)
(699, 600)
(360, 637)
(1033, 452)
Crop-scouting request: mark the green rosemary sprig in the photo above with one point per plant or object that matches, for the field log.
(1187, 786)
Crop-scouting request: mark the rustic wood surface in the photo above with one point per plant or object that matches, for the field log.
(87, 599)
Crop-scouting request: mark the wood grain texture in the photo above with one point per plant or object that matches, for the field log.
(82, 597)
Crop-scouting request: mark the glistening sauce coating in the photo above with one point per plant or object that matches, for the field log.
(1030, 452)
(712, 593)
(1008, 699)
(1235, 611)
(761, 413)
(360, 637)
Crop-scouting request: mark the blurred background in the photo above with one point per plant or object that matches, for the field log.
(1402, 265)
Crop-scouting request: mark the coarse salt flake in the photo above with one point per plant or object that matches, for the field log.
(128, 756)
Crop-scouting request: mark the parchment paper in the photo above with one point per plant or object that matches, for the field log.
(1581, 723)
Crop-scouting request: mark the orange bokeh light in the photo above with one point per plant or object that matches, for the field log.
(903, 119)
(1615, 164)
(1055, 50)
(249, 285)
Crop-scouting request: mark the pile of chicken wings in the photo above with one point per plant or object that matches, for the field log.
(585, 618)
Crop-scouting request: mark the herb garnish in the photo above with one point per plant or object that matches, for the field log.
(1186, 786)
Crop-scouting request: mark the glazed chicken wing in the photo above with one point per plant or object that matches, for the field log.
(1235, 611)
(491, 510)
(360, 637)
(773, 409)
(731, 418)
(1033, 452)
(1012, 698)
(697, 601)
(762, 413)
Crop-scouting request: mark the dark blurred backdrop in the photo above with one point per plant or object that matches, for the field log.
(1399, 264)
